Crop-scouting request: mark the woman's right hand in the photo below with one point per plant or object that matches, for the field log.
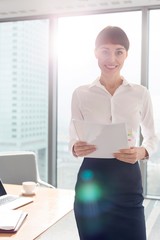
(81, 149)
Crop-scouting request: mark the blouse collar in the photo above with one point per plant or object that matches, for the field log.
(98, 84)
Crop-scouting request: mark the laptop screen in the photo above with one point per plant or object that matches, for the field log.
(2, 189)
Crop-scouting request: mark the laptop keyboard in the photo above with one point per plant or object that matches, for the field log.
(7, 199)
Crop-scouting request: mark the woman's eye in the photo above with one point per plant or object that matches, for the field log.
(105, 53)
(119, 53)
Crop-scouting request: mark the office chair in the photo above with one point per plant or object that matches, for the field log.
(18, 167)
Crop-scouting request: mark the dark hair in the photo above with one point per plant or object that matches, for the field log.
(113, 35)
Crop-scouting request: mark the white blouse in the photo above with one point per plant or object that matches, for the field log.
(131, 103)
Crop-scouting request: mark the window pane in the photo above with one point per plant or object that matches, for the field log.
(153, 166)
(24, 88)
(77, 65)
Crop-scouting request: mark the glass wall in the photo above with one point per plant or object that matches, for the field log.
(24, 88)
(77, 65)
(153, 165)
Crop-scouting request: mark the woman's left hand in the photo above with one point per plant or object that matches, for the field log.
(131, 155)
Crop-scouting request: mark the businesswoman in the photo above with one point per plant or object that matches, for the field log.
(108, 193)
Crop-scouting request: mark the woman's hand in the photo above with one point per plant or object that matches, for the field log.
(81, 149)
(131, 155)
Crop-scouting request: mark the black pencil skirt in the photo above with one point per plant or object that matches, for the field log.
(108, 201)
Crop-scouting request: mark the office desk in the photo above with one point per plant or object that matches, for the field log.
(49, 206)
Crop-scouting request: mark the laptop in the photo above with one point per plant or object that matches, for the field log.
(10, 201)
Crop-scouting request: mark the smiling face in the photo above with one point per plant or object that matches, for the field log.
(111, 58)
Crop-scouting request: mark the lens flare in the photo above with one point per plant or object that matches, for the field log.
(89, 190)
(87, 175)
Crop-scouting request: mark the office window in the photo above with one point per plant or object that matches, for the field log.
(24, 88)
(77, 65)
(153, 165)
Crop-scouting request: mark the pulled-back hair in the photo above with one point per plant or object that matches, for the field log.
(112, 35)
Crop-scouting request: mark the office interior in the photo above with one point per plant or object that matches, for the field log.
(46, 51)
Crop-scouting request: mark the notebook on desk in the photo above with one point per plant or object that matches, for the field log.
(11, 220)
(10, 201)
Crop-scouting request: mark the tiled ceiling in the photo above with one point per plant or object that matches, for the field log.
(20, 8)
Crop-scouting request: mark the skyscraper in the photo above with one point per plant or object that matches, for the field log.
(24, 88)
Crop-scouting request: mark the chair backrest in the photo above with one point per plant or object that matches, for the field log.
(17, 167)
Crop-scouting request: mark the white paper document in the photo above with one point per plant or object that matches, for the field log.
(108, 139)
(11, 220)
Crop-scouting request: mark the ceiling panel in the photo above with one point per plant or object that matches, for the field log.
(16, 8)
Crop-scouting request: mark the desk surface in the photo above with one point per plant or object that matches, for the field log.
(49, 206)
